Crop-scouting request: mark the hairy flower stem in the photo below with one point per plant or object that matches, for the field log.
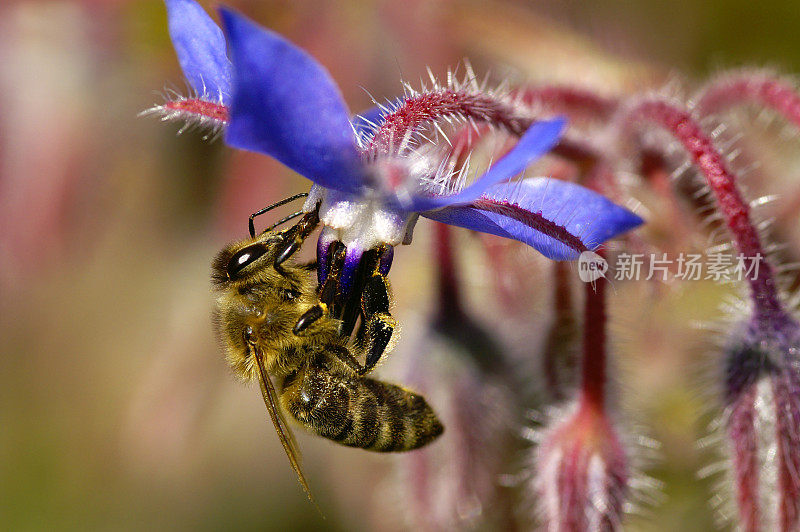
(765, 89)
(593, 365)
(761, 375)
(576, 102)
(684, 128)
(514, 113)
(744, 87)
(429, 107)
(560, 340)
(583, 478)
(196, 106)
(399, 125)
(785, 391)
(450, 316)
(449, 294)
(741, 429)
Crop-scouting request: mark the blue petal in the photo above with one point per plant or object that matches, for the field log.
(200, 46)
(537, 141)
(287, 106)
(583, 213)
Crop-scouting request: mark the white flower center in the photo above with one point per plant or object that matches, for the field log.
(358, 221)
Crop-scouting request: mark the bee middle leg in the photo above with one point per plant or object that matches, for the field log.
(372, 303)
(328, 304)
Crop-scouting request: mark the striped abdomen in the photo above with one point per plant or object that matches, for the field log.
(359, 411)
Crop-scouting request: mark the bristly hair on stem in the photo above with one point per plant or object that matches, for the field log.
(680, 123)
(761, 367)
(762, 88)
(193, 112)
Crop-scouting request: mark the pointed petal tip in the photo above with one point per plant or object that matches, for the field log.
(286, 105)
(200, 46)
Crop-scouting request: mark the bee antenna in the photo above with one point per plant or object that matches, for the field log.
(284, 201)
(283, 221)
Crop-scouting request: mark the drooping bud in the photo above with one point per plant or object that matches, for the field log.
(762, 388)
(456, 483)
(760, 364)
(582, 474)
(581, 466)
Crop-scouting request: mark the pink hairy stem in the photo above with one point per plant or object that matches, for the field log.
(513, 113)
(685, 129)
(785, 387)
(762, 88)
(562, 331)
(746, 467)
(435, 105)
(203, 108)
(582, 459)
(745, 87)
(593, 365)
(574, 101)
(449, 294)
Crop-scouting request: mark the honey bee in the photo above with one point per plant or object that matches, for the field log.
(273, 325)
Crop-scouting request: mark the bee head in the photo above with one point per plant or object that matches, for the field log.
(257, 305)
(240, 261)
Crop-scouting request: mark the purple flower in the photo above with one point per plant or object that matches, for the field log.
(372, 184)
(285, 104)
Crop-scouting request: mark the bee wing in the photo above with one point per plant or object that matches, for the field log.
(281, 427)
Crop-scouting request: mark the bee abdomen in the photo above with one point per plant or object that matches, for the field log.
(361, 412)
(385, 417)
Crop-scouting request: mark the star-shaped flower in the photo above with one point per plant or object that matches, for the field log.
(273, 98)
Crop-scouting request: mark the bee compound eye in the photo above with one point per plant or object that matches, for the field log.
(244, 257)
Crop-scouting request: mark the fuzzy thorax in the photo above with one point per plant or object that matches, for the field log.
(256, 313)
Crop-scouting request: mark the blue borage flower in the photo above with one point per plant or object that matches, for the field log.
(273, 98)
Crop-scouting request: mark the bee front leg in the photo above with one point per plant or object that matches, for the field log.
(295, 236)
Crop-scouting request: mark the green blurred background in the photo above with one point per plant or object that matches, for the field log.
(116, 410)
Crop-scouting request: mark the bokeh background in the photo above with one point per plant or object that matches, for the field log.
(116, 408)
